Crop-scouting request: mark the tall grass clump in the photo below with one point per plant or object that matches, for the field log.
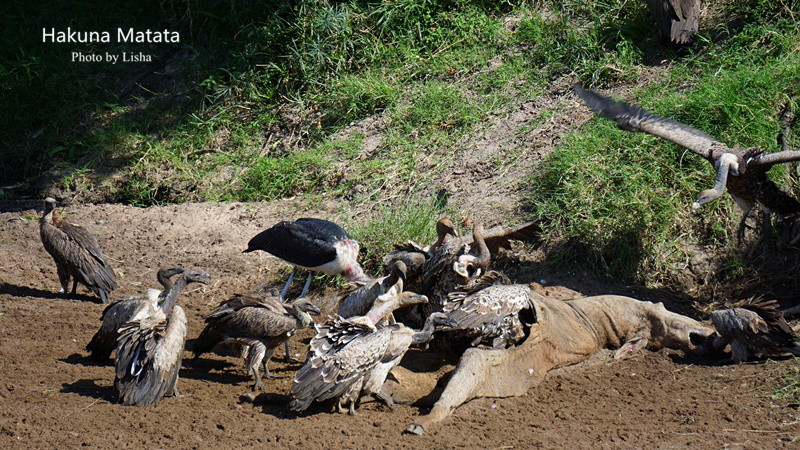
(386, 225)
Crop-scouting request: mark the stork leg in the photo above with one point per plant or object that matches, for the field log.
(288, 357)
(286, 286)
(308, 283)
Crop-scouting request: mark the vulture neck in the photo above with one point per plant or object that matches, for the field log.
(47, 217)
(165, 281)
(441, 239)
(424, 335)
(172, 295)
(379, 311)
(482, 254)
(391, 280)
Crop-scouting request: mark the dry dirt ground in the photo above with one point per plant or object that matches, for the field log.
(53, 396)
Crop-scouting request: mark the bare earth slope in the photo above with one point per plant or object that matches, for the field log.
(53, 396)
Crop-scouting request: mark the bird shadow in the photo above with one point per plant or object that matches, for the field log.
(721, 359)
(90, 388)
(277, 405)
(26, 291)
(83, 360)
(214, 370)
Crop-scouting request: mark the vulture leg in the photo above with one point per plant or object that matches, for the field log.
(738, 352)
(176, 394)
(387, 399)
(288, 358)
(254, 357)
(286, 286)
(267, 357)
(746, 206)
(103, 296)
(63, 277)
(74, 285)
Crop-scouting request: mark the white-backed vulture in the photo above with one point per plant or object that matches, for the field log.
(350, 359)
(414, 255)
(453, 264)
(743, 171)
(119, 313)
(359, 301)
(488, 312)
(261, 322)
(77, 254)
(754, 327)
(150, 348)
(677, 20)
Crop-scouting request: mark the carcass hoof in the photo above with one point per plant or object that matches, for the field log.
(415, 429)
(248, 397)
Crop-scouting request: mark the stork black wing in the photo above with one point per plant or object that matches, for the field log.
(304, 242)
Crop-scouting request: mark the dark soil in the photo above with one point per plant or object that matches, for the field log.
(53, 396)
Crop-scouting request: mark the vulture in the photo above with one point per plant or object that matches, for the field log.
(677, 20)
(743, 171)
(754, 327)
(76, 253)
(414, 255)
(491, 312)
(119, 313)
(359, 301)
(315, 244)
(450, 266)
(150, 348)
(349, 358)
(261, 322)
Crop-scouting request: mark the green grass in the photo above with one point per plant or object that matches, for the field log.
(414, 219)
(625, 196)
(257, 101)
(788, 377)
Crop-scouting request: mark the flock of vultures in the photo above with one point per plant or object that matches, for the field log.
(443, 294)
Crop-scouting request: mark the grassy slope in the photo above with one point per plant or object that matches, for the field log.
(248, 106)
